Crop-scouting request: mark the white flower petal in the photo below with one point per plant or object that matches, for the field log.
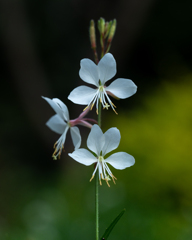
(76, 137)
(122, 88)
(55, 107)
(107, 68)
(83, 156)
(89, 72)
(63, 107)
(112, 140)
(120, 160)
(95, 140)
(56, 124)
(82, 95)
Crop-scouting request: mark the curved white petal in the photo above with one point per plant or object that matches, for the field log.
(76, 137)
(95, 140)
(82, 95)
(120, 160)
(63, 107)
(107, 68)
(83, 156)
(112, 140)
(56, 124)
(89, 72)
(55, 107)
(122, 88)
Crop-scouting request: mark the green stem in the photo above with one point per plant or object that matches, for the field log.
(97, 205)
(99, 114)
(97, 185)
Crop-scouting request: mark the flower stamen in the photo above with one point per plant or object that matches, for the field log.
(57, 151)
(92, 106)
(92, 178)
(85, 108)
(110, 102)
(107, 182)
(114, 178)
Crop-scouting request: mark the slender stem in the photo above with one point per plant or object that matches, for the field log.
(99, 114)
(97, 185)
(97, 205)
(95, 55)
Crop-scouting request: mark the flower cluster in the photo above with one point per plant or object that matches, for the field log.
(100, 144)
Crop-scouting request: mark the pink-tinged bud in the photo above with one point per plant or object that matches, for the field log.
(112, 30)
(92, 34)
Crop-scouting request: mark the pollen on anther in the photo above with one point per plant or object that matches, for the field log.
(92, 105)
(91, 178)
(113, 104)
(115, 111)
(85, 108)
(107, 183)
(114, 178)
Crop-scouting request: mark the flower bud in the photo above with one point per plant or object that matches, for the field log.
(112, 30)
(101, 26)
(92, 34)
(107, 28)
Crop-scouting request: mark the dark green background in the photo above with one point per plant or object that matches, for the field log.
(42, 43)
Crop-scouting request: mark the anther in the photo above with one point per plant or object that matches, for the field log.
(92, 106)
(115, 111)
(107, 183)
(114, 178)
(113, 104)
(85, 108)
(91, 178)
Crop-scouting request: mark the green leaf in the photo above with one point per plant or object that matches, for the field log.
(112, 225)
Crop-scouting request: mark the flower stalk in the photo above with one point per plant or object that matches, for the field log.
(98, 143)
(97, 186)
(97, 205)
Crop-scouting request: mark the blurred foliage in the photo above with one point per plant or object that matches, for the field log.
(156, 191)
(161, 135)
(43, 199)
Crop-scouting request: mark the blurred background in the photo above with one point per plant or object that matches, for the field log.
(42, 43)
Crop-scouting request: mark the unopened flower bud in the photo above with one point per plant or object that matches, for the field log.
(112, 30)
(107, 28)
(101, 26)
(92, 34)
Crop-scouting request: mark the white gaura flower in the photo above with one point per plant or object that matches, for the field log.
(98, 75)
(60, 123)
(101, 144)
